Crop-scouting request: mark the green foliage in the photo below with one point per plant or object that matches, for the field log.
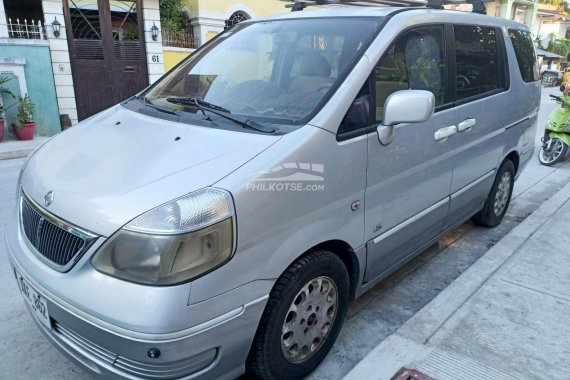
(562, 5)
(4, 91)
(25, 110)
(560, 47)
(172, 18)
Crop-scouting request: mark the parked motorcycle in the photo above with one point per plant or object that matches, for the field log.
(557, 133)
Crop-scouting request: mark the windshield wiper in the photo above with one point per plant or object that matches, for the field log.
(199, 103)
(203, 106)
(150, 104)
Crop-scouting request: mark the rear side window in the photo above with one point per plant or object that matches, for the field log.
(477, 58)
(526, 55)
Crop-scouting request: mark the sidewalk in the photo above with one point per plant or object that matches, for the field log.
(507, 317)
(17, 149)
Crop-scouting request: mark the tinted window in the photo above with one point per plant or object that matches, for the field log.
(415, 61)
(477, 59)
(526, 56)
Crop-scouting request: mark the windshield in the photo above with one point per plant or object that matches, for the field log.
(276, 71)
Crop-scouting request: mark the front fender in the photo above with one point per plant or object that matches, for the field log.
(565, 137)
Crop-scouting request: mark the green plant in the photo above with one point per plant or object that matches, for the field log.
(4, 91)
(26, 109)
(172, 17)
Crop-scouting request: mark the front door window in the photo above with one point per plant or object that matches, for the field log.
(416, 61)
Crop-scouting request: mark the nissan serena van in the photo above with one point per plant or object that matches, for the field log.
(220, 221)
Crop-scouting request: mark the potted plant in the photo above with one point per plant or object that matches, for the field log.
(8, 93)
(24, 127)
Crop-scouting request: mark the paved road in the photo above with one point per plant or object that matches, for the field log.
(373, 317)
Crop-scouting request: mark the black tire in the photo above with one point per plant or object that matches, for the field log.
(488, 216)
(266, 358)
(547, 162)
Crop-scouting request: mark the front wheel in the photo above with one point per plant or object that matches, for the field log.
(302, 319)
(499, 197)
(552, 152)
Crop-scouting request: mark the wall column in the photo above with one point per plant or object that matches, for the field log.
(61, 63)
(154, 57)
(530, 15)
(206, 25)
(506, 9)
(3, 21)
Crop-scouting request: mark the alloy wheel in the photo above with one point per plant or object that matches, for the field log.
(502, 194)
(551, 151)
(309, 320)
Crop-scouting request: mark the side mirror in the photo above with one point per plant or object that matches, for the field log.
(405, 106)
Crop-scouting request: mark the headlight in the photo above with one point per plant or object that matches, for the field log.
(173, 243)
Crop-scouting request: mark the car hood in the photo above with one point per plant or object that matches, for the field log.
(119, 164)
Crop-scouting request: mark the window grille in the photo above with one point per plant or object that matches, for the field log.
(236, 18)
(29, 30)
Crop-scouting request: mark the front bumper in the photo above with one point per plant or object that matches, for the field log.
(215, 349)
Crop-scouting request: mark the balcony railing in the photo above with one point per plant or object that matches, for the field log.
(29, 30)
(179, 39)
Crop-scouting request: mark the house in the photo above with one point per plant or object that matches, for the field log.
(548, 60)
(523, 11)
(207, 18)
(78, 57)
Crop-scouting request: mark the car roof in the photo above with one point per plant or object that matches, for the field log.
(383, 11)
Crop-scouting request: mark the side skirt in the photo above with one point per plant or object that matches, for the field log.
(363, 287)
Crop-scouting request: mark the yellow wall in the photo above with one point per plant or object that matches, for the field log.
(172, 58)
(259, 7)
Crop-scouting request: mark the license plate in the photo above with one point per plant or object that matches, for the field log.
(36, 301)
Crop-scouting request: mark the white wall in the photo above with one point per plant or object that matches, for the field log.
(154, 58)
(61, 64)
(3, 22)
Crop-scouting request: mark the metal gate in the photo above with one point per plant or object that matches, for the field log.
(106, 47)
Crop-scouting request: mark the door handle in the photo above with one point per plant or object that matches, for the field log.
(466, 125)
(443, 133)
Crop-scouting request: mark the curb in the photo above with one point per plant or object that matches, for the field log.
(12, 149)
(18, 153)
(411, 342)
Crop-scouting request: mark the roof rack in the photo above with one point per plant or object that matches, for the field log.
(478, 5)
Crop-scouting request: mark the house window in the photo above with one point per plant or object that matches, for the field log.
(567, 33)
(25, 20)
(236, 18)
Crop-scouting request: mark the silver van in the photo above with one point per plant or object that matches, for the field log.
(219, 222)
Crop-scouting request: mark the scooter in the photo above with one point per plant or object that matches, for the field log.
(557, 133)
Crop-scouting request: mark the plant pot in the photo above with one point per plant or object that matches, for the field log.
(1, 129)
(26, 131)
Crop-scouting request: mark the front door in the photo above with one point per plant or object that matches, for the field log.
(408, 181)
(106, 47)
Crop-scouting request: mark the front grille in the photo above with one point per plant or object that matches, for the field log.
(52, 238)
